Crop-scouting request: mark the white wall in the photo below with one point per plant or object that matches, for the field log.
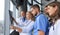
(2, 2)
(2, 10)
(58, 0)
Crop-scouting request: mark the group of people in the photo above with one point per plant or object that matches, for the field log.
(35, 22)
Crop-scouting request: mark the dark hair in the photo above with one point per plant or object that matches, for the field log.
(35, 6)
(53, 4)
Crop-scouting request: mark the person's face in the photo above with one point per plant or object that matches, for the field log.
(23, 14)
(33, 11)
(28, 15)
(45, 10)
(51, 10)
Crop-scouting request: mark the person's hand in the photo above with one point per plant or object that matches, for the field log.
(19, 29)
(12, 27)
(41, 32)
(16, 28)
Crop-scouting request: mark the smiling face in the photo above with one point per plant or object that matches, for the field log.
(29, 15)
(51, 10)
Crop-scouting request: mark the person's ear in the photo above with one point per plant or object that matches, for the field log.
(56, 8)
(36, 9)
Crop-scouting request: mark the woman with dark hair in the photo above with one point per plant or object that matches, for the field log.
(53, 10)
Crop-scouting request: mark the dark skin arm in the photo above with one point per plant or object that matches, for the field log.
(41, 32)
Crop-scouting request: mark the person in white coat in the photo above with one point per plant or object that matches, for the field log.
(53, 9)
(27, 26)
(19, 20)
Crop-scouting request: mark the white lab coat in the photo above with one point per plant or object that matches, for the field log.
(26, 27)
(56, 30)
(19, 21)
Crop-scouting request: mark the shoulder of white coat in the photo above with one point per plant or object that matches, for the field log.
(58, 22)
(33, 22)
(18, 19)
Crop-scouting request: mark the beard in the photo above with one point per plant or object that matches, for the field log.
(35, 14)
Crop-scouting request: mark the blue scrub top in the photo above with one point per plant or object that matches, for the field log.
(41, 23)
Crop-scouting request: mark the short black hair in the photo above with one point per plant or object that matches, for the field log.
(35, 6)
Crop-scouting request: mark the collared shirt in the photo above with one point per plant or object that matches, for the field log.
(21, 20)
(41, 23)
(55, 29)
(26, 26)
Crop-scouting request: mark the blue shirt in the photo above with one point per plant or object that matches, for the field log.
(41, 23)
